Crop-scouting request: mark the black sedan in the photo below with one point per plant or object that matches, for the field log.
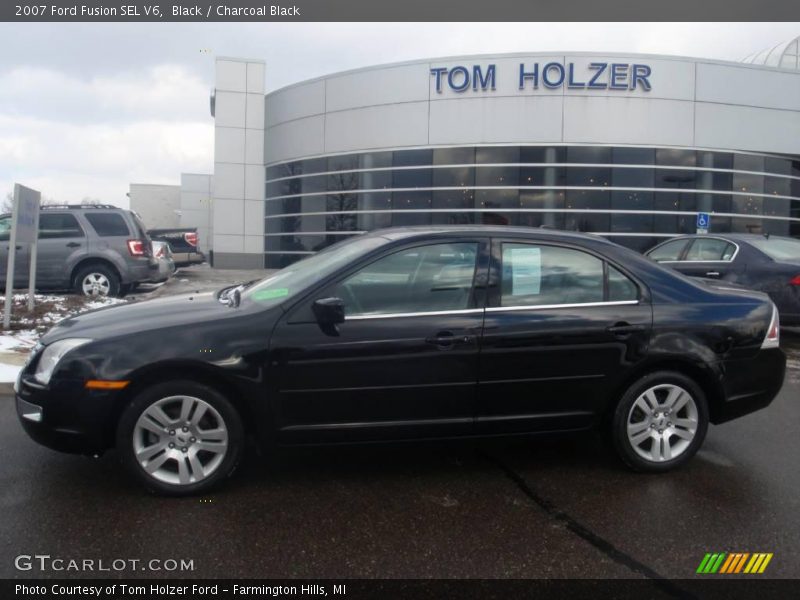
(770, 264)
(408, 334)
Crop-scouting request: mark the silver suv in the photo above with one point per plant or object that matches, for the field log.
(96, 250)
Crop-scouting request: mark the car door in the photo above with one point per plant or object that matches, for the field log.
(21, 256)
(563, 327)
(404, 362)
(710, 258)
(62, 242)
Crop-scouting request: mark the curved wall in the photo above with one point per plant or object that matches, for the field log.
(631, 146)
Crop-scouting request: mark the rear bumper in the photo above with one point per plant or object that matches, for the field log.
(750, 384)
(140, 270)
(165, 269)
(184, 259)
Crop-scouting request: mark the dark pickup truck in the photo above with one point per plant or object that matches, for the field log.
(182, 242)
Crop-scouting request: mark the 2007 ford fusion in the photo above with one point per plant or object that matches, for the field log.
(408, 334)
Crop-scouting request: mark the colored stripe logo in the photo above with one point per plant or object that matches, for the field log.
(734, 563)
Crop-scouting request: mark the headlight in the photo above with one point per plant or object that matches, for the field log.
(53, 354)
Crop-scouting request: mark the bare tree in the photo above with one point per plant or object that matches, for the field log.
(8, 203)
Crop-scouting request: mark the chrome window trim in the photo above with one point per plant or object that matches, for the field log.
(603, 233)
(358, 232)
(535, 165)
(432, 313)
(521, 145)
(576, 188)
(571, 305)
(526, 210)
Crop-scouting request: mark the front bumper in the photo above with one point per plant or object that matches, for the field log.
(67, 417)
(750, 384)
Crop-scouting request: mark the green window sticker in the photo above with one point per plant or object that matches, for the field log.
(261, 295)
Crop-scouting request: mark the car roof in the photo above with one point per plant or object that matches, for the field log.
(398, 233)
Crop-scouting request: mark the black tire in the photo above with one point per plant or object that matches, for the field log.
(110, 275)
(661, 425)
(127, 430)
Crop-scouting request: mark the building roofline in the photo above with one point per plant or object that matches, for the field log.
(439, 59)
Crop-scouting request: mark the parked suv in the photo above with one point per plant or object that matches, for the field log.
(96, 250)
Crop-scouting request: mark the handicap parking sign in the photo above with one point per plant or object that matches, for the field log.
(703, 221)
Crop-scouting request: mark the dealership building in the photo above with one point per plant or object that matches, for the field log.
(631, 147)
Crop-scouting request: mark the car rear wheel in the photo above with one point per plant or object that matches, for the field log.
(180, 438)
(96, 281)
(660, 422)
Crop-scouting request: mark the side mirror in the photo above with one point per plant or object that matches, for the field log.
(329, 311)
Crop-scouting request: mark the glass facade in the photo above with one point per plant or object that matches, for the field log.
(635, 196)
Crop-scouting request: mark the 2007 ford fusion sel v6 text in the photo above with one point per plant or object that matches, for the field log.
(407, 334)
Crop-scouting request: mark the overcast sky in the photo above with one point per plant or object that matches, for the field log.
(87, 109)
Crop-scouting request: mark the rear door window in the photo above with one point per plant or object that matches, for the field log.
(534, 275)
(710, 249)
(58, 225)
(107, 224)
(542, 275)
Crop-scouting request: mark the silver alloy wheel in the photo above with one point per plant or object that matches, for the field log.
(95, 284)
(180, 440)
(657, 417)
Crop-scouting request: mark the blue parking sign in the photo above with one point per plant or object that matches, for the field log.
(703, 221)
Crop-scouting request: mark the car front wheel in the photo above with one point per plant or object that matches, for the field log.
(180, 438)
(660, 422)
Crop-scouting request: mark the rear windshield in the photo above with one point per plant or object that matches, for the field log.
(107, 224)
(779, 248)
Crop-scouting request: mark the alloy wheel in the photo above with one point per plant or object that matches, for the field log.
(96, 284)
(662, 423)
(180, 440)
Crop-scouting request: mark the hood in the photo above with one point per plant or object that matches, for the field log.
(160, 313)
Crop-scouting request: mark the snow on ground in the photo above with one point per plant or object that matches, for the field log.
(8, 373)
(27, 328)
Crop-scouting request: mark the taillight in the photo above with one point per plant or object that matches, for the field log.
(795, 281)
(160, 252)
(191, 238)
(773, 338)
(136, 247)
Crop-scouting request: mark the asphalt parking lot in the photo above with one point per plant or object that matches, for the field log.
(545, 508)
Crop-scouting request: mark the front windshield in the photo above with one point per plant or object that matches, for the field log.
(779, 248)
(298, 276)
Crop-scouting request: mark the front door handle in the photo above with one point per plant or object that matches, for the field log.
(446, 339)
(623, 330)
(73, 245)
(712, 274)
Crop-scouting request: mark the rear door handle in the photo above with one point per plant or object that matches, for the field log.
(712, 274)
(73, 245)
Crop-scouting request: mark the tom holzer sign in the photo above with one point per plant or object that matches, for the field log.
(551, 75)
